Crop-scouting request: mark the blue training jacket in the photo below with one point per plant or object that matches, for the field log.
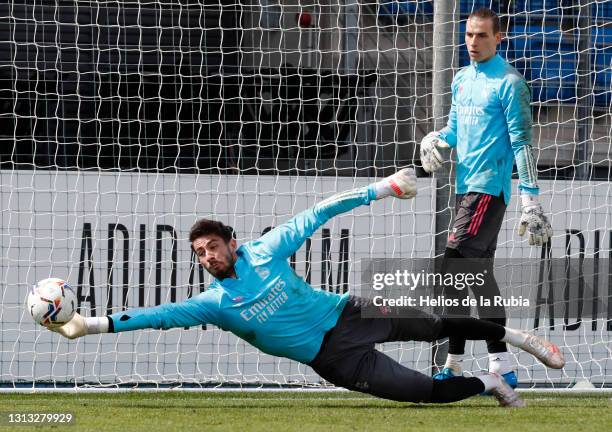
(268, 305)
(489, 124)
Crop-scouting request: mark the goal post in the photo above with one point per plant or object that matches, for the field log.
(121, 123)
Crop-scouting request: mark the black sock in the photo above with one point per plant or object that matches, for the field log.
(495, 345)
(471, 329)
(455, 389)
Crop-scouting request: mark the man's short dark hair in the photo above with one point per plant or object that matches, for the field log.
(486, 13)
(204, 227)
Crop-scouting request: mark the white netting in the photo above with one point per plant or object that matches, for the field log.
(122, 122)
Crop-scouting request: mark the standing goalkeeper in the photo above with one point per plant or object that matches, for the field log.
(258, 296)
(489, 125)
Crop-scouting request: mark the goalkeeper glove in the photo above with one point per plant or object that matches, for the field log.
(431, 159)
(402, 184)
(534, 220)
(79, 326)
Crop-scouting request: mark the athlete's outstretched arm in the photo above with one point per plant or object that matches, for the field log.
(191, 312)
(287, 238)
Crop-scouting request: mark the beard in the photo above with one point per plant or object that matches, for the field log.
(225, 267)
(221, 273)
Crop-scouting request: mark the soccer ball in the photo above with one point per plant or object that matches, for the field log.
(52, 302)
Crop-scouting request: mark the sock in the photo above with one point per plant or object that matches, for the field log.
(490, 381)
(500, 362)
(96, 325)
(453, 362)
(514, 337)
(385, 188)
(454, 389)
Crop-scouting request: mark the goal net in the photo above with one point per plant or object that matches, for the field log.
(124, 122)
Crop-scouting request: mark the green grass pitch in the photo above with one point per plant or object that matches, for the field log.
(307, 411)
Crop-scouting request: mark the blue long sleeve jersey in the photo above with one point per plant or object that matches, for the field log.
(268, 305)
(490, 125)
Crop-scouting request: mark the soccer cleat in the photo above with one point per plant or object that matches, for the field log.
(444, 374)
(511, 380)
(403, 183)
(505, 395)
(547, 352)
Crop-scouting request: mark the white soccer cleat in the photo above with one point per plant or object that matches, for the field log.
(403, 183)
(505, 395)
(547, 352)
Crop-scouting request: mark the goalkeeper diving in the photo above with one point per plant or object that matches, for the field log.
(257, 296)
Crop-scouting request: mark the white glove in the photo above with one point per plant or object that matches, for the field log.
(431, 159)
(402, 184)
(74, 328)
(534, 220)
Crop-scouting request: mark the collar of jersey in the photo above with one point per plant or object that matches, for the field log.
(485, 66)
